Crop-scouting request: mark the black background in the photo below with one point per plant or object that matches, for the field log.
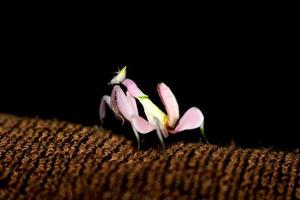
(239, 69)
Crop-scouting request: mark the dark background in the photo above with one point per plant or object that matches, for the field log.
(239, 69)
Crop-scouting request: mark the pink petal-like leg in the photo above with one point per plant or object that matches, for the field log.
(127, 107)
(132, 88)
(192, 118)
(102, 110)
(113, 99)
(140, 125)
(133, 102)
(168, 99)
(124, 104)
(143, 126)
(112, 104)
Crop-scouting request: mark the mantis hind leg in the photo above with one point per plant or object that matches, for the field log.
(137, 136)
(159, 133)
(203, 133)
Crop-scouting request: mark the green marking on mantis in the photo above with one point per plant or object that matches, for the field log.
(144, 97)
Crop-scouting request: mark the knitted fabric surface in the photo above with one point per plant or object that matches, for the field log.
(52, 159)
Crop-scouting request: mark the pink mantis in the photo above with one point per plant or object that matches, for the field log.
(124, 107)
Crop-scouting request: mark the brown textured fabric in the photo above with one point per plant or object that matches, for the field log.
(51, 159)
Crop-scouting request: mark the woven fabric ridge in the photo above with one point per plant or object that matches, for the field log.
(52, 159)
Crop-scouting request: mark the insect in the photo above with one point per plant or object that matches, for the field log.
(124, 107)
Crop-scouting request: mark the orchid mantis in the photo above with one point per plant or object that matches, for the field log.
(124, 108)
